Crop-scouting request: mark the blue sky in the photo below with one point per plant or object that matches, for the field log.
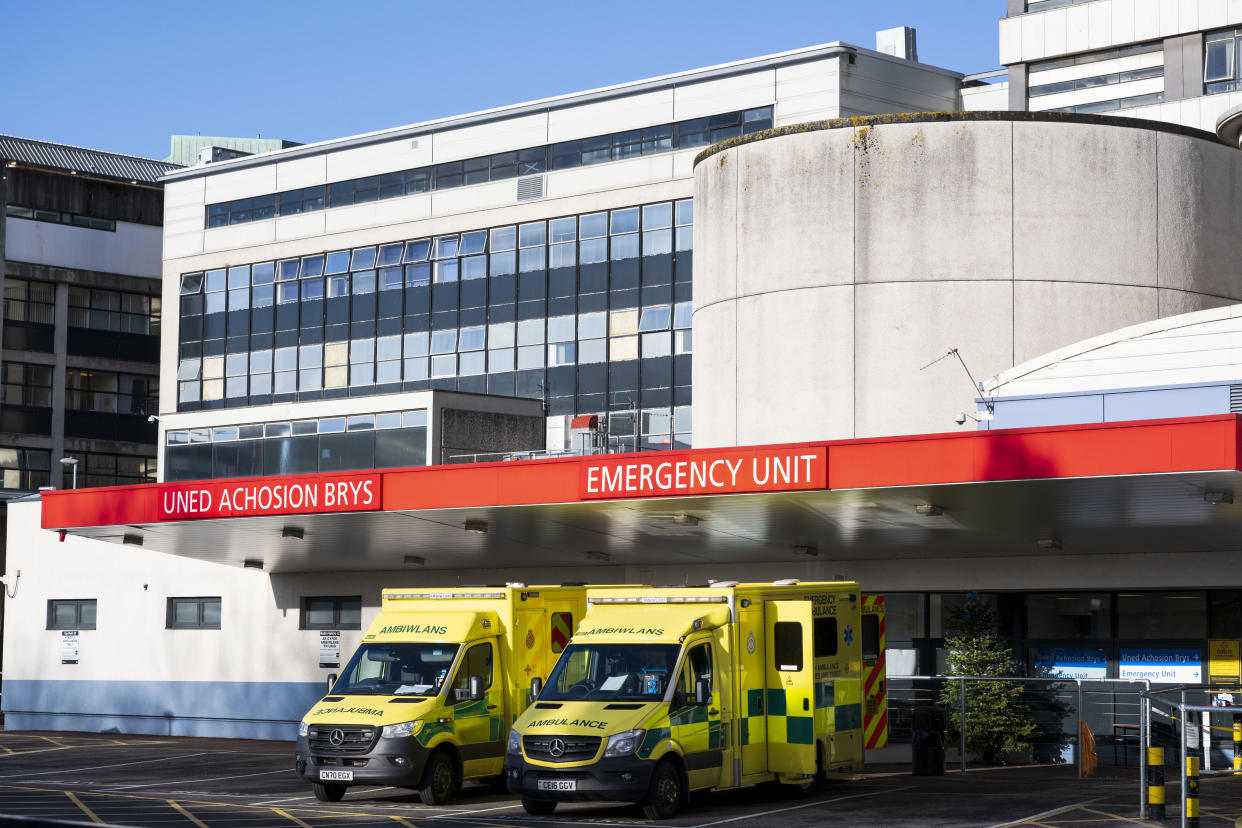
(124, 76)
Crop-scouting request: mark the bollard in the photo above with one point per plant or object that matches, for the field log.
(1237, 743)
(1155, 782)
(1192, 792)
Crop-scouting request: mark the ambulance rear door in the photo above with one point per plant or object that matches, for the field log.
(790, 687)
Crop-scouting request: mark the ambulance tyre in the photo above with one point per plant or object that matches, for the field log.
(665, 794)
(811, 786)
(539, 807)
(439, 779)
(328, 793)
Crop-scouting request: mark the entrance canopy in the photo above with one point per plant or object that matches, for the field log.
(1147, 486)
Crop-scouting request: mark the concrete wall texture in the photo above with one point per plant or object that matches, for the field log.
(832, 264)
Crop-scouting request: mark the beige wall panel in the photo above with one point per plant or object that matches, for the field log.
(242, 183)
(389, 156)
(790, 184)
(1050, 315)
(807, 92)
(236, 237)
(613, 175)
(647, 109)
(181, 193)
(694, 100)
(301, 172)
(498, 136)
(301, 225)
(1084, 203)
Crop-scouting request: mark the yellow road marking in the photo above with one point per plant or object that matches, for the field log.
(186, 814)
(50, 740)
(82, 807)
(7, 750)
(1114, 816)
(403, 821)
(290, 816)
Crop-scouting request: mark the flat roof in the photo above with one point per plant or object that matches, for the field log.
(604, 93)
(1144, 486)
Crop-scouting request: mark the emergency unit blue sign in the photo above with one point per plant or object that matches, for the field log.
(1071, 662)
(1162, 666)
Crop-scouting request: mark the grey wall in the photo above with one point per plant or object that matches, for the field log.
(832, 265)
(479, 432)
(1183, 67)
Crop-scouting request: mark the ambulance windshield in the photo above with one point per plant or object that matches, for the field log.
(612, 672)
(396, 670)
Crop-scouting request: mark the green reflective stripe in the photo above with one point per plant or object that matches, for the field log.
(776, 701)
(496, 728)
(745, 735)
(654, 736)
(713, 735)
(799, 730)
(825, 694)
(754, 702)
(470, 710)
(432, 729)
(689, 715)
(849, 717)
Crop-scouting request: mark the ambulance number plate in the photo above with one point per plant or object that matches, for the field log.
(558, 784)
(336, 776)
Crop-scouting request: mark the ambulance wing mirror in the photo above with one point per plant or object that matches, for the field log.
(536, 687)
(476, 688)
(702, 692)
(331, 681)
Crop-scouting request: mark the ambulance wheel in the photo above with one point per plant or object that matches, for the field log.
(328, 793)
(664, 796)
(539, 807)
(439, 780)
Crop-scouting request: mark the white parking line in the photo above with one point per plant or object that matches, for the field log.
(278, 801)
(100, 767)
(208, 779)
(803, 805)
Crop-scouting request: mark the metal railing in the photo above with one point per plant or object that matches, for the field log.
(1115, 704)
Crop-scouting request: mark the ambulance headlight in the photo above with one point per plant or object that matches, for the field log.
(302, 728)
(623, 744)
(515, 742)
(397, 731)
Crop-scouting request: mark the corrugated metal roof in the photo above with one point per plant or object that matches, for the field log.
(78, 159)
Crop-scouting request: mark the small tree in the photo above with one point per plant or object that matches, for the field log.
(997, 718)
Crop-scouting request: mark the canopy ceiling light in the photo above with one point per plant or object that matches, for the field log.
(806, 551)
(1218, 498)
(295, 532)
(686, 519)
(415, 560)
(1049, 544)
(479, 526)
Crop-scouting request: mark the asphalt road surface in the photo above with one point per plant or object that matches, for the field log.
(214, 783)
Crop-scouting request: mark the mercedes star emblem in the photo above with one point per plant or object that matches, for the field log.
(556, 748)
(338, 737)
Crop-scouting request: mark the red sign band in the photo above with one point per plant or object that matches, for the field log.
(272, 496)
(705, 472)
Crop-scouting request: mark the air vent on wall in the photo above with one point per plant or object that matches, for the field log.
(1235, 399)
(530, 188)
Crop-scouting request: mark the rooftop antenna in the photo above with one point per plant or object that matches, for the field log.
(976, 387)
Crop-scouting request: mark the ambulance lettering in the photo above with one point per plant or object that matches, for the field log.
(622, 631)
(364, 711)
(416, 629)
(593, 723)
(822, 605)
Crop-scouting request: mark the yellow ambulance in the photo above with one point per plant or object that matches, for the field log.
(667, 691)
(427, 699)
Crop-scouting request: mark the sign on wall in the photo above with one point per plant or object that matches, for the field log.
(1223, 659)
(1182, 666)
(705, 472)
(69, 646)
(1072, 662)
(329, 648)
(272, 496)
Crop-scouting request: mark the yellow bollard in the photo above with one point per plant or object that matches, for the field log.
(1192, 792)
(1237, 744)
(1155, 782)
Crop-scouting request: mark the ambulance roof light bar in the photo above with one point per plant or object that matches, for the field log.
(392, 596)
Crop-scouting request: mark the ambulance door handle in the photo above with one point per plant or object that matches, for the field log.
(806, 704)
(712, 712)
(491, 707)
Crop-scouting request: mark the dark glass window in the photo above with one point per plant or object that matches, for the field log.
(75, 614)
(334, 612)
(193, 614)
(787, 646)
(824, 635)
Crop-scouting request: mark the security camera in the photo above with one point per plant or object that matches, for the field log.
(960, 418)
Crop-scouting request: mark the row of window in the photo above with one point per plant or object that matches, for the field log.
(299, 428)
(697, 132)
(1096, 56)
(59, 217)
(104, 469)
(1096, 107)
(24, 469)
(1222, 61)
(93, 308)
(179, 614)
(85, 390)
(1097, 81)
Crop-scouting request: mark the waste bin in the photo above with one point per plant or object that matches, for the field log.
(927, 741)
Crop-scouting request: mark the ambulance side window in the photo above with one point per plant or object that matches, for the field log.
(477, 662)
(787, 646)
(825, 632)
(698, 665)
(870, 637)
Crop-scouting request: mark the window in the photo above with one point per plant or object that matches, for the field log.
(76, 614)
(824, 634)
(24, 469)
(29, 301)
(1220, 61)
(332, 613)
(787, 646)
(59, 217)
(476, 662)
(106, 392)
(101, 469)
(193, 614)
(698, 665)
(28, 385)
(1070, 615)
(870, 637)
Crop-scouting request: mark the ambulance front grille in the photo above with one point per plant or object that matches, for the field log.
(340, 740)
(569, 749)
